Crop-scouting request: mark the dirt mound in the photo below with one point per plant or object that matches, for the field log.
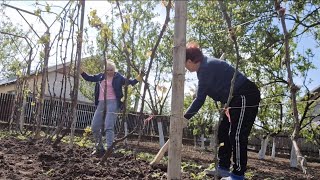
(20, 159)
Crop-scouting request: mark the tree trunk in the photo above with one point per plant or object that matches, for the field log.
(176, 119)
(293, 158)
(25, 86)
(76, 76)
(44, 75)
(273, 153)
(233, 37)
(125, 131)
(137, 98)
(202, 141)
(211, 141)
(161, 136)
(21, 118)
(263, 149)
(293, 88)
(16, 104)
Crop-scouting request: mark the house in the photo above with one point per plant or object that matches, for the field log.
(316, 97)
(55, 84)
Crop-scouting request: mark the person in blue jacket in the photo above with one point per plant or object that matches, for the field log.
(214, 80)
(108, 93)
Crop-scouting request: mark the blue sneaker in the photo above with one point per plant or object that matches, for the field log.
(222, 172)
(233, 177)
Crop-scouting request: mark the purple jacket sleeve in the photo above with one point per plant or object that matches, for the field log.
(91, 78)
(131, 82)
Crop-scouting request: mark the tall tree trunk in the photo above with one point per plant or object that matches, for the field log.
(25, 86)
(22, 114)
(273, 153)
(176, 119)
(264, 145)
(160, 130)
(211, 140)
(44, 74)
(16, 104)
(76, 76)
(233, 37)
(125, 124)
(293, 88)
(202, 141)
(293, 157)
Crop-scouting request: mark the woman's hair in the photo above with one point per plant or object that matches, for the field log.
(193, 52)
(111, 64)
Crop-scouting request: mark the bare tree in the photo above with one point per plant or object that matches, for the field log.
(76, 75)
(293, 89)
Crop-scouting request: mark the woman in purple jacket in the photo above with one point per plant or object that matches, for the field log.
(214, 80)
(108, 93)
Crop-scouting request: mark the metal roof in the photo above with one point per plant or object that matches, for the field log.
(7, 80)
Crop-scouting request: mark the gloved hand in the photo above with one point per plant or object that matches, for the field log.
(140, 76)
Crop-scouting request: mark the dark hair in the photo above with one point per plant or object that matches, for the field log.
(193, 52)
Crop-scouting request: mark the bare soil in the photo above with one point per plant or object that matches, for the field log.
(21, 159)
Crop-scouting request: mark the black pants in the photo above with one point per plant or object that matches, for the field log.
(234, 134)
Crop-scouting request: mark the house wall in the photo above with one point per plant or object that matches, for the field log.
(316, 112)
(54, 87)
(7, 88)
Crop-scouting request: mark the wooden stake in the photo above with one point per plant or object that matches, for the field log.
(160, 154)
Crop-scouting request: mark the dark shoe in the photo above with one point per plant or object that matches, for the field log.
(222, 172)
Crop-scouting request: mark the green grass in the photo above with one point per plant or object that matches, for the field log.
(3, 134)
(145, 156)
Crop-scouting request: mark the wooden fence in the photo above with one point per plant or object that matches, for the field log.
(55, 111)
(6, 103)
(283, 145)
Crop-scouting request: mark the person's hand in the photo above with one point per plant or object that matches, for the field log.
(142, 73)
(140, 76)
(81, 70)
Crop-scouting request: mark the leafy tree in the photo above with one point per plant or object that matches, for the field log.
(13, 50)
(131, 43)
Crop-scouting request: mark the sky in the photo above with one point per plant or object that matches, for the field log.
(313, 74)
(103, 8)
(304, 42)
